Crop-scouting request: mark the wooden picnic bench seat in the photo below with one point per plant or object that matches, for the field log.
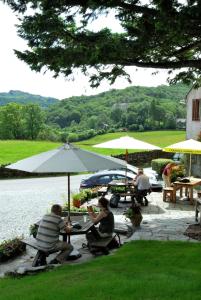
(40, 257)
(103, 243)
(168, 192)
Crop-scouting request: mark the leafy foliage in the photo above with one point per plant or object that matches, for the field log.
(160, 34)
(20, 121)
(134, 108)
(11, 248)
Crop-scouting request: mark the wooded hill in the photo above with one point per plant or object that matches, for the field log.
(135, 108)
(25, 98)
(78, 118)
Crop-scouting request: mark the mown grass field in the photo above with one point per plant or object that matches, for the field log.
(12, 151)
(142, 270)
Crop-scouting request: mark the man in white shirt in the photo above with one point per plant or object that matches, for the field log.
(143, 187)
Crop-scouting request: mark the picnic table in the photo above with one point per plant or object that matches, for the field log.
(188, 186)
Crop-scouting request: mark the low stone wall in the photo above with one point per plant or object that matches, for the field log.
(138, 159)
(8, 173)
(141, 158)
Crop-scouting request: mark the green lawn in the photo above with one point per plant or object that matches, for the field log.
(12, 151)
(142, 270)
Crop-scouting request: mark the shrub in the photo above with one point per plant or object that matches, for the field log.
(159, 164)
(11, 248)
(177, 171)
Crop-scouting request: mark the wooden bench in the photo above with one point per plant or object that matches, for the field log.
(103, 243)
(168, 191)
(171, 192)
(40, 257)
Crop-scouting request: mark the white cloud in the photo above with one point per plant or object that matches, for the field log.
(16, 75)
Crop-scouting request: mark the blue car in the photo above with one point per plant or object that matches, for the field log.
(104, 177)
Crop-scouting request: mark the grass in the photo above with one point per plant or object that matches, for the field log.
(147, 270)
(158, 138)
(12, 151)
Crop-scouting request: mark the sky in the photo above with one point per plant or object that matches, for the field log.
(16, 75)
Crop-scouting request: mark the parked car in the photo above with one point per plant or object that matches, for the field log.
(104, 177)
(153, 176)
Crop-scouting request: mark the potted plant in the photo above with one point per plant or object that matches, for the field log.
(134, 214)
(33, 229)
(76, 199)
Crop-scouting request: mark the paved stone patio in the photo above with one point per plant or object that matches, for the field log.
(161, 221)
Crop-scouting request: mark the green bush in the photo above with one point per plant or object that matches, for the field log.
(159, 164)
(177, 171)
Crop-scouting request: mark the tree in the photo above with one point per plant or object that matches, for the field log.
(34, 119)
(11, 121)
(161, 34)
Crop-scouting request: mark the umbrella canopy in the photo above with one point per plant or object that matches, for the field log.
(188, 146)
(127, 142)
(66, 159)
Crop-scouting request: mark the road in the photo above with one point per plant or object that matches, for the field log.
(24, 201)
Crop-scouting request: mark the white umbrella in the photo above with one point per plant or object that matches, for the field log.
(127, 142)
(188, 146)
(66, 159)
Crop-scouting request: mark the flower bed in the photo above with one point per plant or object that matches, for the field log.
(11, 248)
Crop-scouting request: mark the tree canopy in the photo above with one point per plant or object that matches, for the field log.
(160, 34)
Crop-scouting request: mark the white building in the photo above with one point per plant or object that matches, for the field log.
(193, 124)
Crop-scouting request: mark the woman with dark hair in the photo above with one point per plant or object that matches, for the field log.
(104, 218)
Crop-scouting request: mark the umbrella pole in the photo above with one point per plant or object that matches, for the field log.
(190, 166)
(126, 159)
(69, 220)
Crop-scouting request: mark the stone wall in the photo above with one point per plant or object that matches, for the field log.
(141, 158)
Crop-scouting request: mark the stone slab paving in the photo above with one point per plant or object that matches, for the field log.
(161, 221)
(164, 220)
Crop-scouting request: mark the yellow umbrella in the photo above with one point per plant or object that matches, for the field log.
(188, 146)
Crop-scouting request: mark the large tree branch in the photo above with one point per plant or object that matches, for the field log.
(162, 65)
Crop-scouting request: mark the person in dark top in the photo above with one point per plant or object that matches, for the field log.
(105, 219)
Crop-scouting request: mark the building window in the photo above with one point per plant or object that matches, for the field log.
(196, 110)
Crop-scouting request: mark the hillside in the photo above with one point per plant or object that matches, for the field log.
(25, 98)
(136, 108)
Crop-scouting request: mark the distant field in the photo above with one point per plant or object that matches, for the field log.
(12, 151)
(158, 138)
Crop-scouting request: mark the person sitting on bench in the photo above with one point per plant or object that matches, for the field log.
(143, 187)
(47, 238)
(105, 219)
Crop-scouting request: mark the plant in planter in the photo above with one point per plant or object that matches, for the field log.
(33, 229)
(11, 248)
(134, 214)
(76, 199)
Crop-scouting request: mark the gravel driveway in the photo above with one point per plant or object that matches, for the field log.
(24, 201)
